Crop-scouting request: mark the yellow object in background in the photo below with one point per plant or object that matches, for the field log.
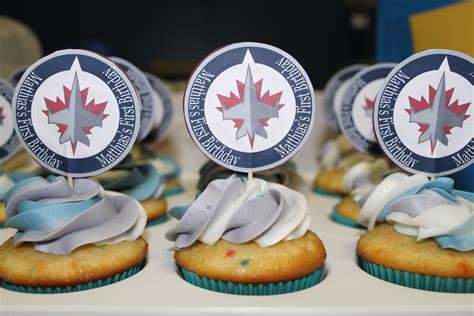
(450, 27)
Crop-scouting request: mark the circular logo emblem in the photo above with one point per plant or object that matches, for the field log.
(424, 114)
(76, 113)
(249, 106)
(9, 143)
(356, 114)
(334, 92)
(17, 74)
(145, 92)
(164, 108)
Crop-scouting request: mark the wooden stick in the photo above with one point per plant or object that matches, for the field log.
(70, 182)
(250, 176)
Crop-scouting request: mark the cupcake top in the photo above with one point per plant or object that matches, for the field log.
(142, 181)
(239, 211)
(363, 176)
(58, 219)
(333, 151)
(165, 165)
(424, 208)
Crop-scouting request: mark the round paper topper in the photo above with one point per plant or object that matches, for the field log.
(140, 82)
(9, 143)
(356, 114)
(334, 92)
(249, 106)
(76, 113)
(424, 114)
(164, 108)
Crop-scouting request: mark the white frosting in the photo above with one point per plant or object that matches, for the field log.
(391, 187)
(292, 223)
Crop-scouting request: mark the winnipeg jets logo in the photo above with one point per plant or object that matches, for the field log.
(437, 116)
(73, 117)
(423, 113)
(250, 110)
(2, 117)
(249, 106)
(76, 113)
(369, 107)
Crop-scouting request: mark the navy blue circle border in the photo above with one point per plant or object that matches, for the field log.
(412, 67)
(263, 54)
(91, 63)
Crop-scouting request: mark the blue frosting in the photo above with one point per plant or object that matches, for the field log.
(460, 237)
(142, 182)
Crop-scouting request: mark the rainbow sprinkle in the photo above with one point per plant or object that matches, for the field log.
(230, 253)
(245, 262)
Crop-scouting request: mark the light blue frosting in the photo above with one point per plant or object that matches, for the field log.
(420, 201)
(142, 182)
(58, 218)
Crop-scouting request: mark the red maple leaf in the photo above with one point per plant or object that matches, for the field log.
(423, 104)
(59, 105)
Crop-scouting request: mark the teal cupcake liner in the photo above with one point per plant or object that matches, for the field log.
(74, 288)
(157, 221)
(2, 225)
(418, 281)
(322, 191)
(173, 191)
(338, 218)
(252, 289)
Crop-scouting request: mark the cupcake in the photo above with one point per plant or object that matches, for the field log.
(425, 238)
(70, 239)
(329, 180)
(285, 175)
(166, 166)
(143, 182)
(357, 181)
(249, 238)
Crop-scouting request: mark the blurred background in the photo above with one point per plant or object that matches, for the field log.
(169, 38)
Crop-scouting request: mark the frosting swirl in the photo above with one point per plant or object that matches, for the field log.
(141, 181)
(332, 151)
(58, 219)
(239, 211)
(422, 208)
(363, 176)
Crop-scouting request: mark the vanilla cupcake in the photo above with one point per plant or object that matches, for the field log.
(336, 157)
(356, 182)
(249, 238)
(426, 239)
(70, 239)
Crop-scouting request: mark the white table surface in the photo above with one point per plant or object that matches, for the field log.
(159, 290)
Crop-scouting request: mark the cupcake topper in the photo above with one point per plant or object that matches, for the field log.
(76, 113)
(249, 107)
(164, 108)
(145, 92)
(423, 113)
(9, 143)
(356, 114)
(334, 92)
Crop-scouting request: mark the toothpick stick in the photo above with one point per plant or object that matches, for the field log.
(250, 176)
(70, 182)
